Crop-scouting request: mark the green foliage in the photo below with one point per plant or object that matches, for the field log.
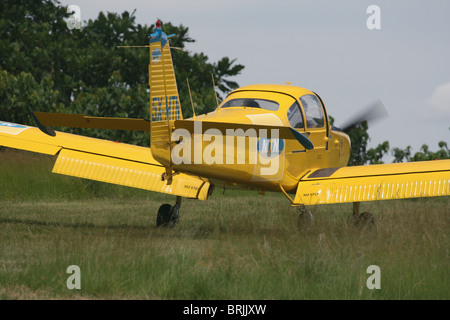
(401, 154)
(21, 93)
(359, 139)
(47, 67)
(237, 245)
(424, 155)
(359, 155)
(374, 156)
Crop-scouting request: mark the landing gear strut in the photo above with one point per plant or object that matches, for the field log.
(366, 219)
(168, 216)
(304, 218)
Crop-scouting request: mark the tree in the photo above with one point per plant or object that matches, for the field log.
(55, 69)
(359, 155)
(375, 155)
(19, 94)
(401, 154)
(359, 139)
(424, 155)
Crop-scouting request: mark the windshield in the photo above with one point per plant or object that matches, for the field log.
(313, 111)
(252, 103)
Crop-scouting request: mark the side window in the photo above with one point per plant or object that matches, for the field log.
(313, 111)
(295, 116)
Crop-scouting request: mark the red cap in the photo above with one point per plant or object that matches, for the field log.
(158, 24)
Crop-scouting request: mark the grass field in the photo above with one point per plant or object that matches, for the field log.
(237, 245)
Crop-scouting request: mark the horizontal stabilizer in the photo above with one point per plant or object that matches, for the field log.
(81, 121)
(235, 129)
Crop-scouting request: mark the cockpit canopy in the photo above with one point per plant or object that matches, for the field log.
(252, 103)
(298, 107)
(313, 112)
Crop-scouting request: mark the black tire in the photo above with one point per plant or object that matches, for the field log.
(164, 215)
(364, 220)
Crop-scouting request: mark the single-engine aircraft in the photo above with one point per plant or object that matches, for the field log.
(261, 137)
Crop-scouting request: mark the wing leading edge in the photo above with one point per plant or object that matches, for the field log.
(375, 182)
(102, 160)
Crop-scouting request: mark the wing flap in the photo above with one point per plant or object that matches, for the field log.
(377, 182)
(237, 128)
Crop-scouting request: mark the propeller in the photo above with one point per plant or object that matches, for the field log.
(373, 112)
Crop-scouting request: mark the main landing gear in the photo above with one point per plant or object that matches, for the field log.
(168, 216)
(365, 219)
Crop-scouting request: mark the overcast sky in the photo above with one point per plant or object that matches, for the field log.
(326, 46)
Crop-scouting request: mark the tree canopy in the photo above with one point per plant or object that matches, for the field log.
(360, 154)
(45, 66)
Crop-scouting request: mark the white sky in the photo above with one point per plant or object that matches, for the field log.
(325, 46)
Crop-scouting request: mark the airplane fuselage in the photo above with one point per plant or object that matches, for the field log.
(261, 158)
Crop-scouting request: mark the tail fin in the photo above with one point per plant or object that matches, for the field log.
(165, 105)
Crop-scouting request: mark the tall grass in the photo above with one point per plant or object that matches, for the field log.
(237, 245)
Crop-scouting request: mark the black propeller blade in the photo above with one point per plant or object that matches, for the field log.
(373, 112)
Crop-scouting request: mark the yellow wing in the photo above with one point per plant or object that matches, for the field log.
(102, 160)
(375, 182)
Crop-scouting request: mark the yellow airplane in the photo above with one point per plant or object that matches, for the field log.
(261, 137)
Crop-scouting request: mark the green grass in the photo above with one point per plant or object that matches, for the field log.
(237, 245)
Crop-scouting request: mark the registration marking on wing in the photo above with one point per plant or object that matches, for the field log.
(11, 128)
